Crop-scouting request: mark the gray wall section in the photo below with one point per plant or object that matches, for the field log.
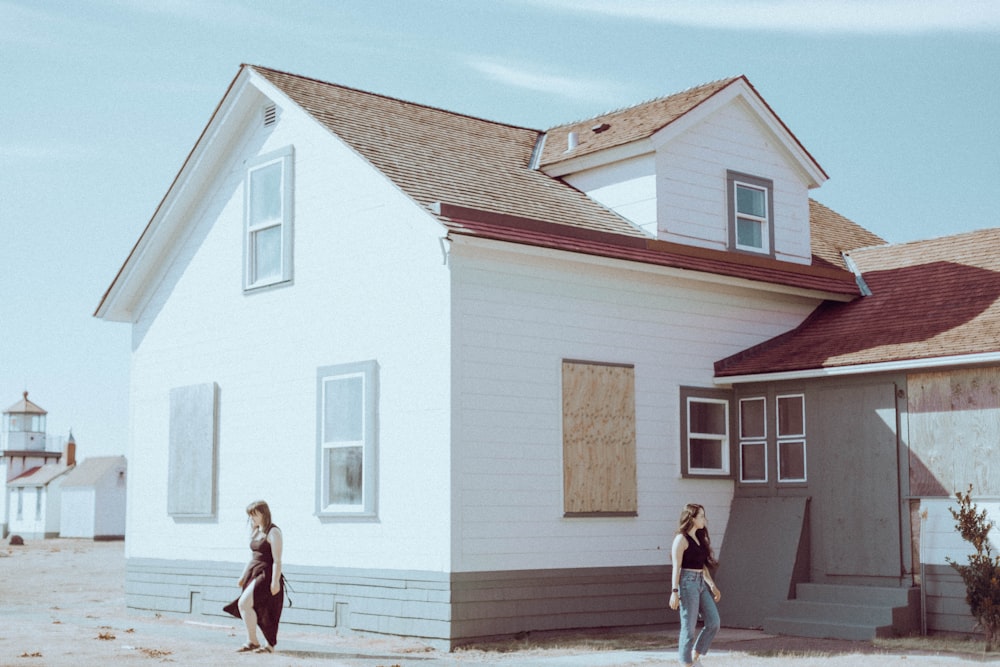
(765, 553)
(446, 610)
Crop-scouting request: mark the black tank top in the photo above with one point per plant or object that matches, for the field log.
(696, 555)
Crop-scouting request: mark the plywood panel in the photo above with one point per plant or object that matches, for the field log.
(954, 432)
(598, 438)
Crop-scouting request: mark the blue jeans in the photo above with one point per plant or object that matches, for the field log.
(695, 596)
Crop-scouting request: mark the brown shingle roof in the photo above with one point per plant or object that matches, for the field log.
(832, 234)
(626, 125)
(930, 299)
(435, 155)
(438, 156)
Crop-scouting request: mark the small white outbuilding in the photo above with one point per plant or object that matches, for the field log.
(93, 499)
(33, 499)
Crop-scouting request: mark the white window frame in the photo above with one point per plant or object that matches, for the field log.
(284, 158)
(724, 439)
(791, 438)
(755, 441)
(367, 371)
(735, 181)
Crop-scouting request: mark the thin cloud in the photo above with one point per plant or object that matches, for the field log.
(575, 88)
(809, 16)
(44, 152)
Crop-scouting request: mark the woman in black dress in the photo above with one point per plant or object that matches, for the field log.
(263, 588)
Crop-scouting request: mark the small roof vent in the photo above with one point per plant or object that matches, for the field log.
(572, 141)
(270, 115)
(597, 129)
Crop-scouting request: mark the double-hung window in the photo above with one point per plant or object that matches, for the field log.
(705, 428)
(791, 438)
(268, 220)
(753, 439)
(347, 419)
(751, 227)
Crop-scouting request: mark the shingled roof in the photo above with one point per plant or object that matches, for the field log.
(930, 299)
(441, 156)
(626, 125)
(483, 168)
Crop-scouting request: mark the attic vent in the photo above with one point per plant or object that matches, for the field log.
(270, 115)
(597, 129)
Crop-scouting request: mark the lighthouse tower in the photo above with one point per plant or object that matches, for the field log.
(24, 448)
(24, 425)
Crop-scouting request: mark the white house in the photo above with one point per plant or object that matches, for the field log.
(93, 499)
(470, 366)
(33, 500)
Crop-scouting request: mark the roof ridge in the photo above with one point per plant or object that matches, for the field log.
(392, 98)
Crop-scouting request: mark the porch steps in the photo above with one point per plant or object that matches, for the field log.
(847, 612)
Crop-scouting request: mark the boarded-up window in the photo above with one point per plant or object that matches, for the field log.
(599, 476)
(191, 467)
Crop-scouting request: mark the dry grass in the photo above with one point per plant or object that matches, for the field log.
(574, 642)
(958, 644)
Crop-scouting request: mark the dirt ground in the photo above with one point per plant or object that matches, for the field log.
(62, 602)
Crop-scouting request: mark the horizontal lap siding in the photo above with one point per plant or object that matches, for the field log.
(517, 317)
(691, 182)
(366, 259)
(947, 610)
(444, 610)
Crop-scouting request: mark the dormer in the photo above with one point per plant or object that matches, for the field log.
(711, 167)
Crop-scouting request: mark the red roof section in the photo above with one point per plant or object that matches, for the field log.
(648, 251)
(930, 299)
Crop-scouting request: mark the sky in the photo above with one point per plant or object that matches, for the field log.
(102, 100)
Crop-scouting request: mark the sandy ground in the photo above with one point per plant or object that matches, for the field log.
(62, 603)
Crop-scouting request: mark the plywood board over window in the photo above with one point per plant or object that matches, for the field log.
(599, 476)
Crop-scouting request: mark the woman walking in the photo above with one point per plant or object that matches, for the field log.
(263, 594)
(693, 589)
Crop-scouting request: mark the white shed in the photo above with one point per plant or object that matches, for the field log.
(33, 501)
(93, 499)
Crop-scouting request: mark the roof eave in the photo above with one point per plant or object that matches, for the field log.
(903, 365)
(124, 296)
(741, 88)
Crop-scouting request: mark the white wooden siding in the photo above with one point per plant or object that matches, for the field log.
(516, 318)
(691, 183)
(369, 283)
(628, 188)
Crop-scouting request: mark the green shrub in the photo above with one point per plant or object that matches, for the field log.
(982, 574)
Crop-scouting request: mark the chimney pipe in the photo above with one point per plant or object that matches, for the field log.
(70, 451)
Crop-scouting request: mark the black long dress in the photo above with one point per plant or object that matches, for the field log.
(267, 606)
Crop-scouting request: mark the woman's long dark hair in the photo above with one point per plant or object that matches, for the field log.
(685, 524)
(265, 513)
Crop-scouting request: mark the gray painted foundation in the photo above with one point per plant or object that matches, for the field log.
(444, 609)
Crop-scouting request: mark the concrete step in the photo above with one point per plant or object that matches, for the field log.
(821, 629)
(864, 595)
(847, 612)
(836, 612)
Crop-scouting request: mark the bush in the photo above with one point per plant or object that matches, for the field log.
(982, 574)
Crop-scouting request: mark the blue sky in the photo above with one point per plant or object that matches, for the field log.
(899, 101)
